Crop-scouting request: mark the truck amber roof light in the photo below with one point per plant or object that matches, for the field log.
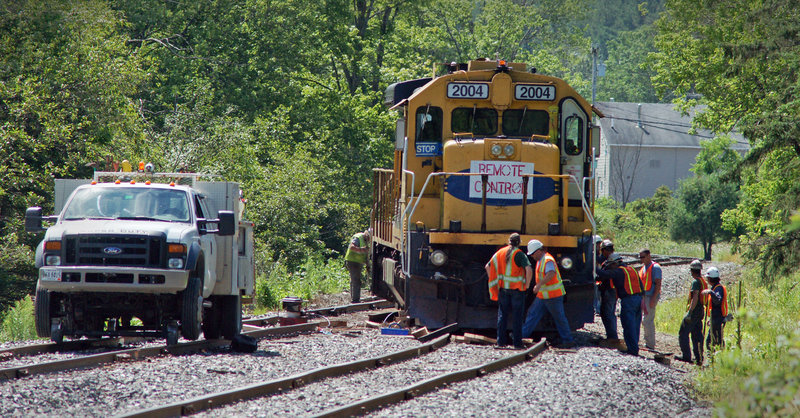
(117, 182)
(133, 181)
(93, 182)
(147, 182)
(172, 183)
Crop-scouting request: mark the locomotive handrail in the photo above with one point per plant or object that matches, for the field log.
(409, 211)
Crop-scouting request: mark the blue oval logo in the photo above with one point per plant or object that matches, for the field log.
(112, 250)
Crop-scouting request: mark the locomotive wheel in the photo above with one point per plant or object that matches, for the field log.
(211, 319)
(192, 312)
(231, 320)
(42, 313)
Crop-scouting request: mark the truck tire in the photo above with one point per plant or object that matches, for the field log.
(231, 316)
(42, 313)
(192, 312)
(211, 319)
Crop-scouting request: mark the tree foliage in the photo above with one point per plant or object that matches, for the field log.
(743, 59)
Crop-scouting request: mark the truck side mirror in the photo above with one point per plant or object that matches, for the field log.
(33, 219)
(227, 223)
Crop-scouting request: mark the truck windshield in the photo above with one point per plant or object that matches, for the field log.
(128, 203)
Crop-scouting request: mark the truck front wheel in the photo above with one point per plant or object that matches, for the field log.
(192, 312)
(42, 313)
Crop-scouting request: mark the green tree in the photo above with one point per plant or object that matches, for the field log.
(628, 74)
(742, 59)
(695, 211)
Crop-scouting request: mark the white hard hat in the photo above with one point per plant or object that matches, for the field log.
(534, 245)
(712, 272)
(606, 244)
(598, 238)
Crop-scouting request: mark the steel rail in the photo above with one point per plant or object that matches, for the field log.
(329, 311)
(214, 400)
(144, 352)
(377, 402)
(51, 347)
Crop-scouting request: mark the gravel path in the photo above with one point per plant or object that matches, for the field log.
(124, 387)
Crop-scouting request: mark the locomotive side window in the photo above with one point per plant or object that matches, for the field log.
(573, 135)
(475, 120)
(429, 124)
(525, 122)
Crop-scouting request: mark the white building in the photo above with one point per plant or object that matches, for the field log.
(644, 146)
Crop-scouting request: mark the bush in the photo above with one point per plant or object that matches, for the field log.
(316, 276)
(17, 323)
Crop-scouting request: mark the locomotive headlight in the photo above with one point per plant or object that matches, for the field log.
(438, 258)
(509, 150)
(566, 262)
(497, 149)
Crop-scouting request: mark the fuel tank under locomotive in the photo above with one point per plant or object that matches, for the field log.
(457, 291)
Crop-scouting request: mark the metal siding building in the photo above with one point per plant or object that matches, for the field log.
(646, 145)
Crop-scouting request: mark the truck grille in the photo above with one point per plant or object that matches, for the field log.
(115, 250)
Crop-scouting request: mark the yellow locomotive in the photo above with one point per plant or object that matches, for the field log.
(484, 150)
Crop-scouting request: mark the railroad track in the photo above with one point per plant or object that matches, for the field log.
(632, 259)
(352, 372)
(132, 354)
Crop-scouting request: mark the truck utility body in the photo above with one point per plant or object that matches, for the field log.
(178, 257)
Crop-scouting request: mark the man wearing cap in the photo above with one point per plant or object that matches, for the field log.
(510, 275)
(692, 323)
(354, 260)
(650, 274)
(549, 290)
(717, 307)
(628, 286)
(608, 296)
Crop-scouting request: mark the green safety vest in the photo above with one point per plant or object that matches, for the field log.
(354, 256)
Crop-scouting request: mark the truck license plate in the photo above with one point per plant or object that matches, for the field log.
(50, 275)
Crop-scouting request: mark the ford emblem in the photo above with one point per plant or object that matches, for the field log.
(112, 250)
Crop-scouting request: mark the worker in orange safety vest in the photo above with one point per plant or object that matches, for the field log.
(629, 291)
(717, 309)
(549, 290)
(510, 275)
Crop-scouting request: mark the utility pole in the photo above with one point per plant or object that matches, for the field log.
(594, 72)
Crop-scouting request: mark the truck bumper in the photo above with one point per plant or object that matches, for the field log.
(72, 279)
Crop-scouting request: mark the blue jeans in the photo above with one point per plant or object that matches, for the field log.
(556, 308)
(608, 304)
(630, 315)
(513, 302)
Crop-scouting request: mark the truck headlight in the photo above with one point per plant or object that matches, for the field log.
(53, 260)
(438, 258)
(175, 263)
(566, 262)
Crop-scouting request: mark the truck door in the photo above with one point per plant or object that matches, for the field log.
(574, 128)
(207, 243)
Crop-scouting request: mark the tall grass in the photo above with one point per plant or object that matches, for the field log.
(314, 277)
(17, 322)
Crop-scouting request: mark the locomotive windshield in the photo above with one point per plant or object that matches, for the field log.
(429, 123)
(525, 122)
(128, 203)
(478, 121)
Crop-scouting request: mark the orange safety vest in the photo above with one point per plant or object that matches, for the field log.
(645, 273)
(701, 297)
(555, 287)
(504, 273)
(633, 283)
(724, 302)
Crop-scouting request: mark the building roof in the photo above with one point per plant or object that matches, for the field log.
(654, 125)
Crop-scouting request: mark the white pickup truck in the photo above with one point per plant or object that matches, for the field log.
(144, 254)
